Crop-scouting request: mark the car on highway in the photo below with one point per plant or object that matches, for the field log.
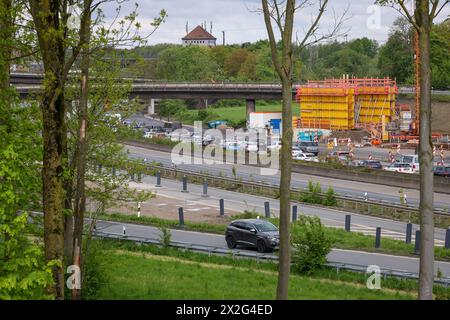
(275, 145)
(442, 171)
(305, 156)
(253, 232)
(371, 164)
(308, 146)
(413, 160)
(234, 146)
(338, 155)
(172, 126)
(399, 167)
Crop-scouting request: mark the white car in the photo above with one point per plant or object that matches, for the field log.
(399, 167)
(412, 160)
(275, 145)
(305, 156)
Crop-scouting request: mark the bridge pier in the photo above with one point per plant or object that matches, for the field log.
(151, 107)
(251, 106)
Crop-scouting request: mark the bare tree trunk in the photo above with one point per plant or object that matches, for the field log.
(6, 39)
(284, 68)
(285, 193)
(51, 42)
(80, 197)
(426, 275)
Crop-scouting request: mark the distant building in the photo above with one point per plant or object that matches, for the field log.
(200, 37)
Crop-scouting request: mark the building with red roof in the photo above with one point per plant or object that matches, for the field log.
(199, 36)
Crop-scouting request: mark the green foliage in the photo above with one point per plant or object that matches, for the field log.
(310, 244)
(165, 237)
(190, 63)
(24, 274)
(94, 275)
(361, 57)
(190, 276)
(313, 194)
(330, 199)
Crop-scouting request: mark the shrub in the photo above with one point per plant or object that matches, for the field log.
(330, 199)
(311, 244)
(94, 275)
(165, 237)
(313, 195)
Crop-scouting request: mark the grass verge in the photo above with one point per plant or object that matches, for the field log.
(148, 272)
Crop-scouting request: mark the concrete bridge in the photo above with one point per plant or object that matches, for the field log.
(148, 90)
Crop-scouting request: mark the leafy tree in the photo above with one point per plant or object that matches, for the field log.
(440, 55)
(396, 56)
(421, 19)
(191, 63)
(24, 274)
(310, 243)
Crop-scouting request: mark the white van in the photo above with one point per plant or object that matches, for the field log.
(412, 160)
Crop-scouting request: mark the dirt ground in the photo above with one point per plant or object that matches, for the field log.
(167, 208)
(440, 116)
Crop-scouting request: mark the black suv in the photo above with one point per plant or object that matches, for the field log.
(254, 232)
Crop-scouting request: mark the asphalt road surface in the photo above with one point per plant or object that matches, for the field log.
(240, 202)
(384, 261)
(251, 173)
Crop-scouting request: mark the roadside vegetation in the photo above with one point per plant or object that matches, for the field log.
(168, 273)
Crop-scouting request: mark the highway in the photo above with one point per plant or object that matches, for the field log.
(240, 202)
(384, 261)
(249, 173)
(381, 154)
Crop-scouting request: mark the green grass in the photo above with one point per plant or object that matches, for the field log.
(105, 247)
(341, 238)
(237, 114)
(139, 276)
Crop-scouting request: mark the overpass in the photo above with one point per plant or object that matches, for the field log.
(148, 90)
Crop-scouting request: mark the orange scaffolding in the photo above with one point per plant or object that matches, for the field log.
(347, 103)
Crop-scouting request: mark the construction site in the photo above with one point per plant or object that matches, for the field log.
(358, 109)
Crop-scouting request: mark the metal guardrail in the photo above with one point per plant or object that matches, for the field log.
(263, 257)
(275, 187)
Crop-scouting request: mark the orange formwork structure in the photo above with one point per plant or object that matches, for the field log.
(347, 103)
(326, 107)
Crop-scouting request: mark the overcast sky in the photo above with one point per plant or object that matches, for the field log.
(242, 23)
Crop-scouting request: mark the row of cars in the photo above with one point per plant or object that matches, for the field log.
(403, 163)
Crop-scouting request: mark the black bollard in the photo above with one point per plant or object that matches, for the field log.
(158, 179)
(267, 209)
(447, 239)
(114, 171)
(294, 213)
(348, 221)
(417, 243)
(184, 184)
(378, 237)
(222, 207)
(205, 188)
(408, 233)
(181, 216)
